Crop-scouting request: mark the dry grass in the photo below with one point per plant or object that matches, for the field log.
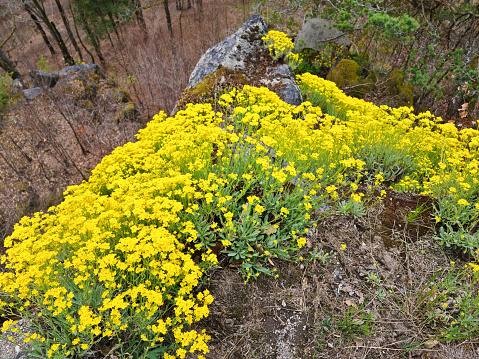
(320, 309)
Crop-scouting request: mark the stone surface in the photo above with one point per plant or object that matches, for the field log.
(42, 78)
(16, 86)
(232, 51)
(242, 59)
(30, 94)
(291, 91)
(81, 70)
(315, 33)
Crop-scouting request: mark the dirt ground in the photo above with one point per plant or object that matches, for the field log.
(330, 308)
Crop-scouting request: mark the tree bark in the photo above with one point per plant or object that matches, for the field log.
(140, 19)
(8, 66)
(78, 35)
(40, 29)
(69, 30)
(96, 44)
(168, 17)
(93, 38)
(39, 11)
(113, 23)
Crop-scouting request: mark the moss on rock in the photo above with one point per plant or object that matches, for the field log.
(127, 112)
(345, 73)
(222, 79)
(402, 92)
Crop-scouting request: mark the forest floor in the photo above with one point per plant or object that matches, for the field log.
(361, 288)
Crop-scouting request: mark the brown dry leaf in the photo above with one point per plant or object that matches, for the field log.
(349, 302)
(259, 249)
(431, 343)
(271, 229)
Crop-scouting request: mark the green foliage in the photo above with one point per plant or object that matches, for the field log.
(416, 213)
(43, 65)
(351, 207)
(98, 17)
(439, 41)
(450, 302)
(5, 80)
(356, 323)
(318, 255)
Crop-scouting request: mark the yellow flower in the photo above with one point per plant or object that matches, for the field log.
(301, 241)
(259, 208)
(463, 202)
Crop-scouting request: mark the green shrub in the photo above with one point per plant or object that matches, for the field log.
(5, 81)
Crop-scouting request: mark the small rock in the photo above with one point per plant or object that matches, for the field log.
(42, 78)
(16, 86)
(315, 33)
(30, 94)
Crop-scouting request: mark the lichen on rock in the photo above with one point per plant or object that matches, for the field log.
(238, 60)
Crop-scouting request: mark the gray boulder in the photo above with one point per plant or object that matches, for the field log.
(244, 52)
(16, 86)
(80, 70)
(315, 33)
(42, 78)
(232, 51)
(30, 94)
(291, 91)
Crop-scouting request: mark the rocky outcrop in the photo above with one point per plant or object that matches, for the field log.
(283, 75)
(316, 33)
(42, 78)
(85, 70)
(232, 51)
(38, 80)
(238, 60)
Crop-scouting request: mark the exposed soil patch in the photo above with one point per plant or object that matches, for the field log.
(361, 302)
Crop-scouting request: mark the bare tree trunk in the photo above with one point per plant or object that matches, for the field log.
(107, 32)
(40, 29)
(69, 30)
(168, 17)
(39, 11)
(96, 44)
(140, 18)
(78, 35)
(113, 23)
(93, 38)
(8, 66)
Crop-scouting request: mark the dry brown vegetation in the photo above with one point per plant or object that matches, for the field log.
(55, 140)
(331, 308)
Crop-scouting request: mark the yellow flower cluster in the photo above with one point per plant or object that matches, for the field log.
(115, 259)
(278, 43)
(444, 159)
(106, 260)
